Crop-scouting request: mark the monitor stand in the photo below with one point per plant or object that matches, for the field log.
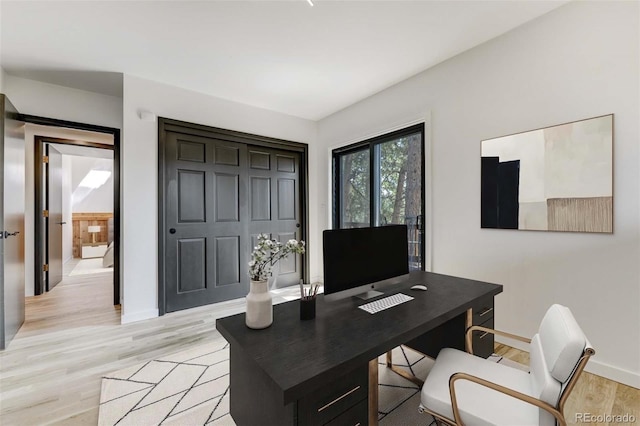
(369, 295)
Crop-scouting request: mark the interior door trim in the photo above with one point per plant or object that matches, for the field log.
(38, 190)
(170, 125)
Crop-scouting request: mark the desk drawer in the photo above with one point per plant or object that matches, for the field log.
(483, 341)
(483, 311)
(335, 398)
(358, 415)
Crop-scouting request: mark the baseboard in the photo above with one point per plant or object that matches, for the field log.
(619, 375)
(594, 366)
(138, 316)
(316, 279)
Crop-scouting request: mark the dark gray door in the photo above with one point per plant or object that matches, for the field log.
(206, 236)
(54, 222)
(11, 222)
(274, 204)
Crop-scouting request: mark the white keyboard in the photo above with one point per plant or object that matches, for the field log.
(385, 303)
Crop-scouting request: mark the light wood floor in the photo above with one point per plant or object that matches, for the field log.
(592, 394)
(51, 371)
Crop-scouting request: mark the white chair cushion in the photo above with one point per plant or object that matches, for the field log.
(562, 341)
(478, 405)
(543, 385)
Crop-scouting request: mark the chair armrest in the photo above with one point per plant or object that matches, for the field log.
(473, 328)
(499, 388)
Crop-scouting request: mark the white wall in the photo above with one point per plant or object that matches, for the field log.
(87, 200)
(64, 103)
(577, 62)
(139, 169)
(2, 78)
(67, 229)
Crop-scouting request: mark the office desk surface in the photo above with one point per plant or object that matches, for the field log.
(297, 355)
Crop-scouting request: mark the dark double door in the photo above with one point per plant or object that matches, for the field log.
(218, 196)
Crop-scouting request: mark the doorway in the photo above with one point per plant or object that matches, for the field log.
(49, 224)
(219, 189)
(78, 197)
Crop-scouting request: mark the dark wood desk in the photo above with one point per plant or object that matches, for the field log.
(325, 370)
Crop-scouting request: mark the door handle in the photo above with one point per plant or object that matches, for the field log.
(6, 234)
(61, 223)
(172, 230)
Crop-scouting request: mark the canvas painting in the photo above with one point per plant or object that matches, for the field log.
(559, 178)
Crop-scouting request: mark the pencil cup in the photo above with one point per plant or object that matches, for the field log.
(308, 308)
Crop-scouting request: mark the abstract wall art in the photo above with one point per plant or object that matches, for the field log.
(559, 178)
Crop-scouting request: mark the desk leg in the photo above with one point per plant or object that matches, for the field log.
(468, 323)
(373, 392)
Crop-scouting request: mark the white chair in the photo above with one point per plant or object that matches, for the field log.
(465, 389)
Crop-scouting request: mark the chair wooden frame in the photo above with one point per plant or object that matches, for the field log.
(557, 411)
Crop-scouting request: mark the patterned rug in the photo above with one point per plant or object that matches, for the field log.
(192, 388)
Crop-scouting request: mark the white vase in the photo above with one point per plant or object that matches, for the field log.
(259, 305)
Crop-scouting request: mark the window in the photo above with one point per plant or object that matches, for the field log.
(380, 181)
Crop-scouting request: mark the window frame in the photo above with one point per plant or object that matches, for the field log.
(372, 145)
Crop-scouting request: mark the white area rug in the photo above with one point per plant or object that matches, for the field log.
(192, 388)
(89, 266)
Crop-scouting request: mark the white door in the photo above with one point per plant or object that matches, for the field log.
(11, 221)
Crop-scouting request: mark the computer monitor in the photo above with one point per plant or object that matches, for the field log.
(358, 260)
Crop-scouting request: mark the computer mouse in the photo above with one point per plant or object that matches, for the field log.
(419, 287)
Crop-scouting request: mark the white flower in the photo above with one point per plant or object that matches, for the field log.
(268, 252)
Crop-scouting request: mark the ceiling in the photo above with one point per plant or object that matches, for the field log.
(284, 56)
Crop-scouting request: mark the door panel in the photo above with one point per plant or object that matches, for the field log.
(259, 160)
(12, 190)
(191, 151)
(205, 240)
(191, 196)
(288, 265)
(286, 199)
(260, 198)
(227, 260)
(227, 155)
(54, 222)
(286, 163)
(274, 201)
(192, 264)
(227, 197)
